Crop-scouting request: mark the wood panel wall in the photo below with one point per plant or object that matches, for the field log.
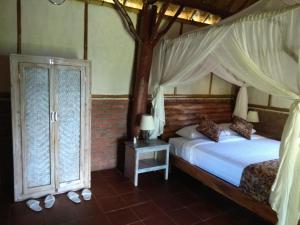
(184, 112)
(271, 122)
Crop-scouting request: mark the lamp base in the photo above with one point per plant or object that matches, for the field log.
(145, 135)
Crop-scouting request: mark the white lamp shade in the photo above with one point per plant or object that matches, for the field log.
(147, 122)
(252, 117)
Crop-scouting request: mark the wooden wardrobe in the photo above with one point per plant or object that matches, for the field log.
(51, 107)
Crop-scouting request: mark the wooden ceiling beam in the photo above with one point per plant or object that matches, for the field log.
(202, 6)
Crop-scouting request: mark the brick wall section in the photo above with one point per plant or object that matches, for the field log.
(109, 129)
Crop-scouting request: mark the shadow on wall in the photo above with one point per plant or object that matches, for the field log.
(121, 153)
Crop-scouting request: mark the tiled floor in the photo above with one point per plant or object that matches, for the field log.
(180, 201)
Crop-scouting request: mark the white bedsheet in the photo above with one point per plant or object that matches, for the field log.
(229, 157)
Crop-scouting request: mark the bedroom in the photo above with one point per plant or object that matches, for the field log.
(96, 33)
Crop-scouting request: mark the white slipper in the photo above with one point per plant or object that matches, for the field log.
(49, 201)
(74, 197)
(86, 194)
(34, 205)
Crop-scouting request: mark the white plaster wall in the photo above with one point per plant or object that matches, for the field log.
(220, 86)
(111, 50)
(8, 27)
(257, 97)
(59, 31)
(52, 30)
(199, 87)
(280, 102)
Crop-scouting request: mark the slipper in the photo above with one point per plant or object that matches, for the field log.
(49, 201)
(86, 194)
(74, 197)
(34, 205)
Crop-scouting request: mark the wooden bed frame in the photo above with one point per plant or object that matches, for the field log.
(233, 193)
(180, 113)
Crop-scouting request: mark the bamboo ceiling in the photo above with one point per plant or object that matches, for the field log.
(195, 11)
(189, 14)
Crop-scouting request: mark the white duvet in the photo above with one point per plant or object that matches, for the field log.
(227, 158)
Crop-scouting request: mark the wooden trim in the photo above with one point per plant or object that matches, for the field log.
(199, 96)
(269, 100)
(233, 193)
(167, 96)
(17, 63)
(181, 28)
(86, 16)
(175, 90)
(110, 96)
(19, 29)
(47, 59)
(285, 110)
(210, 82)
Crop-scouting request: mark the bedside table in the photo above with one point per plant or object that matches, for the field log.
(135, 164)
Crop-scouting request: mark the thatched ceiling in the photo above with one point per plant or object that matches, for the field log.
(198, 11)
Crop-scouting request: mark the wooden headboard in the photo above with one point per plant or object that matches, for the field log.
(184, 112)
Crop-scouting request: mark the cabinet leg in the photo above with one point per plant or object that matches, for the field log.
(166, 174)
(136, 177)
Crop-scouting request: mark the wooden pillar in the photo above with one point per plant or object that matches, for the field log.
(147, 37)
(143, 67)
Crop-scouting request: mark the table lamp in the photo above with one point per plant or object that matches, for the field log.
(252, 117)
(147, 124)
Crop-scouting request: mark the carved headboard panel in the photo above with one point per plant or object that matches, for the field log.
(184, 112)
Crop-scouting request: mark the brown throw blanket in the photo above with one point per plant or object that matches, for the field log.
(257, 179)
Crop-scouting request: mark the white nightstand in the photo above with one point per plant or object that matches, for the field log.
(135, 164)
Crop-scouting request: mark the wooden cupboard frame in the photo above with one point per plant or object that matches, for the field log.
(21, 191)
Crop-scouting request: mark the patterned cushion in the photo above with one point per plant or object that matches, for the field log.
(242, 127)
(209, 129)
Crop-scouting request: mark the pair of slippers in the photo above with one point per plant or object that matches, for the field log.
(74, 197)
(35, 204)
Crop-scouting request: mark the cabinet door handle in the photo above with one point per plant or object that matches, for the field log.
(52, 116)
(55, 116)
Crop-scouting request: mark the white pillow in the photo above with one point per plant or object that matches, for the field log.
(226, 131)
(190, 132)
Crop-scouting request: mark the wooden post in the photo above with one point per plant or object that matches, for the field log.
(147, 37)
(143, 67)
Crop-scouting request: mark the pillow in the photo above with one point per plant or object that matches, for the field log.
(190, 132)
(242, 127)
(209, 129)
(226, 131)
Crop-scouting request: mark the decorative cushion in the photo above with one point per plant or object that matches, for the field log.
(190, 132)
(242, 127)
(209, 129)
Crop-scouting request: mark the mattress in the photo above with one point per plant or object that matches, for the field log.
(227, 158)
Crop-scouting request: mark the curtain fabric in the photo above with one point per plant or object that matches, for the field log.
(259, 50)
(241, 105)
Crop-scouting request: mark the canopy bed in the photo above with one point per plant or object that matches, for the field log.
(258, 47)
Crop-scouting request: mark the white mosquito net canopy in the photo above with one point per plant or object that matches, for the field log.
(257, 47)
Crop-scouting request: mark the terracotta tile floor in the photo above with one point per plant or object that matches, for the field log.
(180, 201)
